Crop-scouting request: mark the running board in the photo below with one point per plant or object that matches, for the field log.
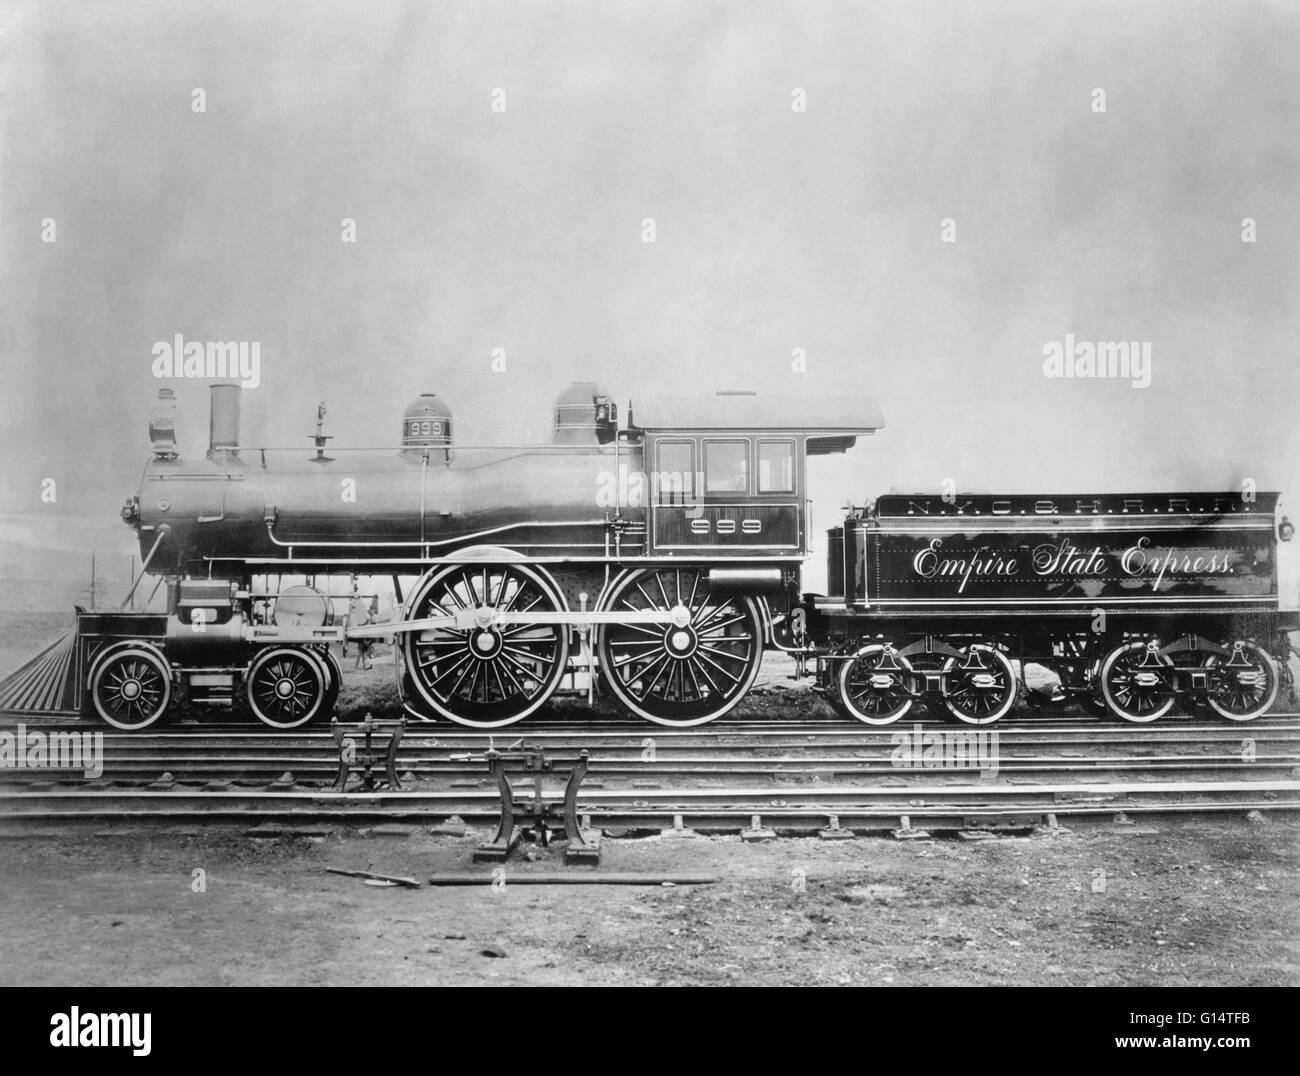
(464, 620)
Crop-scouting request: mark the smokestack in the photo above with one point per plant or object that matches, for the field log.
(223, 431)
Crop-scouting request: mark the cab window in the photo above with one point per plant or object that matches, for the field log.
(775, 467)
(675, 479)
(726, 466)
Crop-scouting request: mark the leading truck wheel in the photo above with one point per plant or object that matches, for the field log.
(1137, 682)
(131, 686)
(1244, 684)
(287, 686)
(874, 685)
(492, 674)
(687, 672)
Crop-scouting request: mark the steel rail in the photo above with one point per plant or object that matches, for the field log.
(183, 769)
(685, 812)
(821, 795)
(328, 753)
(1166, 729)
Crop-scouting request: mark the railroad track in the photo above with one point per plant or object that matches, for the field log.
(242, 757)
(795, 775)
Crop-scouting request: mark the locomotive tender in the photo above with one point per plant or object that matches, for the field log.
(1136, 601)
(661, 556)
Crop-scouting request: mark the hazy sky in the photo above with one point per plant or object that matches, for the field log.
(775, 229)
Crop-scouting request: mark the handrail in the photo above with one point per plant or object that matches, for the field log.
(432, 449)
(163, 530)
(460, 538)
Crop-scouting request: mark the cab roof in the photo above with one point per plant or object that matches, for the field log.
(828, 415)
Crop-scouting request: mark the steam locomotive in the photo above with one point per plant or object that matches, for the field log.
(655, 559)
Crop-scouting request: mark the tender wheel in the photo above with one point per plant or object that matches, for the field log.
(287, 686)
(1244, 684)
(131, 686)
(1137, 682)
(687, 672)
(982, 685)
(486, 676)
(873, 686)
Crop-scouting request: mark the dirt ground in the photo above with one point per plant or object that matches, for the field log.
(1186, 903)
(1205, 902)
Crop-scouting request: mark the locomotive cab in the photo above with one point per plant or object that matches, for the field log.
(728, 475)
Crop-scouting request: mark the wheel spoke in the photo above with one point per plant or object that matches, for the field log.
(618, 662)
(661, 659)
(738, 618)
(642, 629)
(725, 654)
(705, 673)
(663, 593)
(705, 620)
(461, 640)
(667, 668)
(705, 658)
(527, 609)
(506, 662)
(471, 670)
(466, 656)
(690, 668)
(532, 655)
